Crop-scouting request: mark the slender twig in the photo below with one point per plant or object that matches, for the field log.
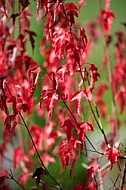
(71, 113)
(76, 121)
(30, 136)
(107, 6)
(123, 177)
(101, 186)
(103, 168)
(95, 181)
(12, 177)
(95, 151)
(114, 182)
(49, 185)
(32, 140)
(122, 157)
(98, 123)
(38, 152)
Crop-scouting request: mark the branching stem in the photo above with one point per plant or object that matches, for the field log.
(99, 124)
(12, 177)
(72, 114)
(38, 152)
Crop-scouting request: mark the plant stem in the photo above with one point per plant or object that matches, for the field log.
(123, 177)
(12, 177)
(107, 6)
(38, 152)
(71, 114)
(18, 183)
(98, 123)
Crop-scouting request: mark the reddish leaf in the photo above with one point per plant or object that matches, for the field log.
(67, 152)
(85, 126)
(3, 97)
(60, 41)
(102, 107)
(107, 19)
(50, 98)
(47, 158)
(33, 74)
(68, 126)
(10, 124)
(81, 4)
(6, 187)
(3, 175)
(19, 156)
(12, 100)
(94, 76)
(121, 98)
(25, 19)
(91, 185)
(71, 11)
(71, 6)
(38, 136)
(101, 89)
(59, 78)
(78, 96)
(79, 186)
(112, 155)
(23, 178)
(99, 99)
(94, 72)
(84, 37)
(92, 171)
(61, 72)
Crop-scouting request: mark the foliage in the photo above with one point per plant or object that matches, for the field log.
(56, 150)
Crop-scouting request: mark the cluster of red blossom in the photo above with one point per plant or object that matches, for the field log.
(67, 86)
